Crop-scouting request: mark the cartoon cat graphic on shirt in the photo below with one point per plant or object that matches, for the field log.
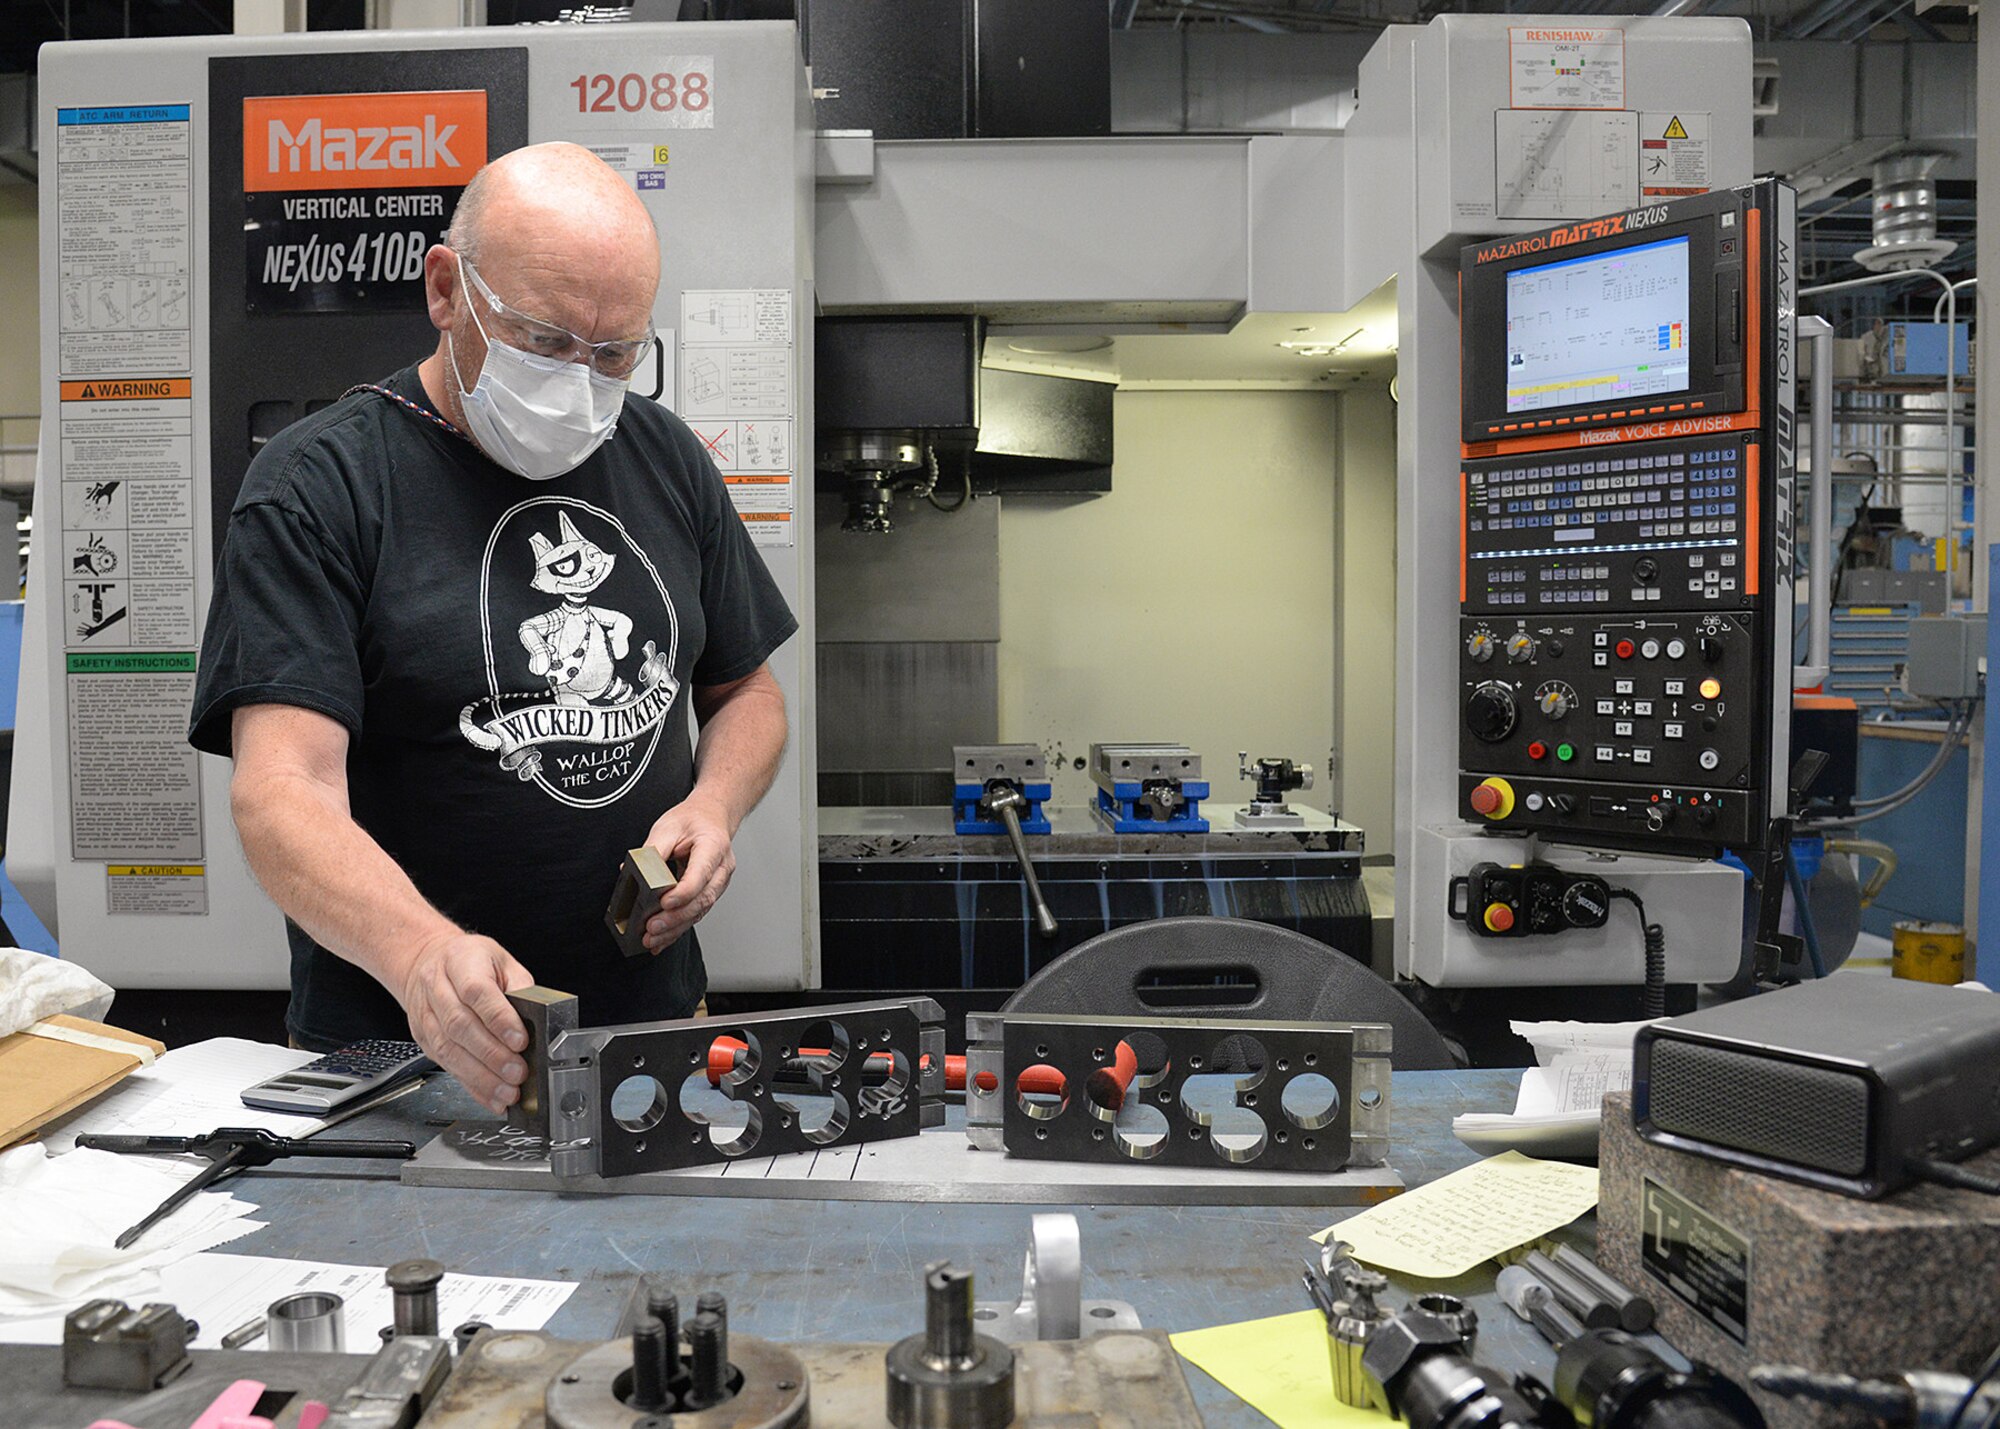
(576, 646)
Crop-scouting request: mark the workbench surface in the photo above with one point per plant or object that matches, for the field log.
(810, 1270)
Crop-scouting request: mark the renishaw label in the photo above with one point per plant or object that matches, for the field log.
(1696, 1256)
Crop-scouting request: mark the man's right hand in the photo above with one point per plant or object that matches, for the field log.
(455, 994)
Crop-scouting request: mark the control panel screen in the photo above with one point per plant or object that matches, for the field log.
(1637, 325)
(1610, 328)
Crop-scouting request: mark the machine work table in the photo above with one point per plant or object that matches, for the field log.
(797, 1270)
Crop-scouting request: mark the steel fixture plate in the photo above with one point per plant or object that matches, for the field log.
(644, 1097)
(1181, 1092)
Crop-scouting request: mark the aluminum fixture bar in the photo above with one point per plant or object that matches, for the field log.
(1951, 452)
(1819, 580)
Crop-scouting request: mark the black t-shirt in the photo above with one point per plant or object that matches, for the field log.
(512, 660)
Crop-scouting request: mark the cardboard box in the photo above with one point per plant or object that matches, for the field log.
(43, 1077)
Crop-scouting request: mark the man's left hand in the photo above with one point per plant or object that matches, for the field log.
(694, 837)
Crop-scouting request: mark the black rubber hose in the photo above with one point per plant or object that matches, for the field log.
(1655, 996)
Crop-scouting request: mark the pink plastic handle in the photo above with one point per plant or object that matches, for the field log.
(231, 1409)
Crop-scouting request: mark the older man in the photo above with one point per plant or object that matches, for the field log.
(459, 620)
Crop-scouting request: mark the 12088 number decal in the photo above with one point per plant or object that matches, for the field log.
(681, 94)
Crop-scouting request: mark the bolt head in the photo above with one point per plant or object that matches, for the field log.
(1400, 1342)
(414, 1275)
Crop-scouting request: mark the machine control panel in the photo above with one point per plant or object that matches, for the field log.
(1667, 524)
(1623, 665)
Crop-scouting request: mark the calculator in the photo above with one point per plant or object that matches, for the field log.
(325, 1084)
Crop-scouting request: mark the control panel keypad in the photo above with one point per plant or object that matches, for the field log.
(1624, 529)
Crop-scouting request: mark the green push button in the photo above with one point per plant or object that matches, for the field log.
(1565, 752)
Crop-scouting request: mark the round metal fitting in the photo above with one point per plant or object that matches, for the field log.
(925, 1393)
(310, 1320)
(772, 1391)
(1454, 1312)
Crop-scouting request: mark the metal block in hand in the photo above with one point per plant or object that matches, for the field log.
(642, 882)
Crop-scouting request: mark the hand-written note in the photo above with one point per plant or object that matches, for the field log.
(1445, 1228)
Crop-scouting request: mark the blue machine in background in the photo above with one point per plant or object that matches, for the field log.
(20, 918)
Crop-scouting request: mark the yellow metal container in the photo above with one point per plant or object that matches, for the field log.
(1928, 952)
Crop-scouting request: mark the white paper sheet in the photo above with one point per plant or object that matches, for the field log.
(67, 1211)
(1557, 1111)
(190, 1091)
(224, 1292)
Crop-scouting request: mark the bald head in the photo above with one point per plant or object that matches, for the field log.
(557, 196)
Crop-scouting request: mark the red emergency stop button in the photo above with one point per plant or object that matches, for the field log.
(1624, 649)
(1498, 918)
(1493, 799)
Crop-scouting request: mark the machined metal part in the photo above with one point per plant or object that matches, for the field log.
(1112, 764)
(1537, 1304)
(1915, 1399)
(109, 1345)
(414, 1284)
(1279, 1096)
(984, 763)
(1462, 1318)
(650, 1096)
(950, 1376)
(1352, 1318)
(1596, 1311)
(546, 1014)
(1635, 1311)
(312, 1320)
(1052, 1306)
(511, 1377)
(643, 880)
(401, 1380)
(768, 1387)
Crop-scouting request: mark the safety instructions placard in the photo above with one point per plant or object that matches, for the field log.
(736, 388)
(125, 208)
(134, 781)
(124, 454)
(1674, 154)
(1566, 67)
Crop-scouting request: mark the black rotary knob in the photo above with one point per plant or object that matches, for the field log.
(1710, 649)
(1563, 803)
(1490, 713)
(1646, 568)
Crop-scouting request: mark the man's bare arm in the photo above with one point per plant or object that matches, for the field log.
(289, 797)
(736, 757)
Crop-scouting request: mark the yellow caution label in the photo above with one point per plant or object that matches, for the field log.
(155, 870)
(1675, 130)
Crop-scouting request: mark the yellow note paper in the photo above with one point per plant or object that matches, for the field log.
(1443, 1229)
(1278, 1367)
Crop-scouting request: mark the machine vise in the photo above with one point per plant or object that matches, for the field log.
(1149, 788)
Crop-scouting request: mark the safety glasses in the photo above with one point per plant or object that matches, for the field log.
(616, 358)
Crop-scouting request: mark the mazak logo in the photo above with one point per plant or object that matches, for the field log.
(360, 141)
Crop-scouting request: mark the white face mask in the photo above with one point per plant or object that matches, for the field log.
(537, 416)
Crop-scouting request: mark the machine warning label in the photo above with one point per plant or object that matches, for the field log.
(735, 386)
(156, 888)
(1566, 67)
(124, 206)
(344, 194)
(134, 782)
(126, 461)
(1696, 1256)
(1674, 155)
